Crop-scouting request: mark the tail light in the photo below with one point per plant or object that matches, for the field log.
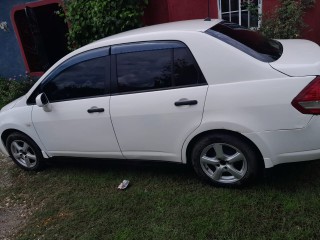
(308, 100)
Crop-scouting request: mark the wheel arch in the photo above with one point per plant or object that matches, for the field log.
(194, 140)
(5, 134)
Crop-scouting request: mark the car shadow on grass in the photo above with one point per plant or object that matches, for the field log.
(289, 176)
(140, 168)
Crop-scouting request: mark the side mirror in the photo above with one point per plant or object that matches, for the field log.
(42, 101)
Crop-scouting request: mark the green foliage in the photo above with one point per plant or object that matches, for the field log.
(94, 19)
(287, 20)
(79, 199)
(251, 6)
(12, 88)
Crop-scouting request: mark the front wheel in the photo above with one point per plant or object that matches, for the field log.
(24, 151)
(225, 160)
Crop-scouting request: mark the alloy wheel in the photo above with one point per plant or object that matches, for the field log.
(223, 163)
(23, 153)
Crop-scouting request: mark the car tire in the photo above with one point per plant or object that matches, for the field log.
(24, 152)
(226, 160)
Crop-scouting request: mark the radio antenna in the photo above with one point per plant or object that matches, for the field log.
(208, 18)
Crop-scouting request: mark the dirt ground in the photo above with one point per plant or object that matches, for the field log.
(13, 214)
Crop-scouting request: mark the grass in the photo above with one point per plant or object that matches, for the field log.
(79, 199)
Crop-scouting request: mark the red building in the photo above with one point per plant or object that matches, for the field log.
(160, 11)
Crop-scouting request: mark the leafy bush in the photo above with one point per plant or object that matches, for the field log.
(12, 88)
(94, 19)
(287, 20)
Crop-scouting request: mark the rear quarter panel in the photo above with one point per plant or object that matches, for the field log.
(254, 106)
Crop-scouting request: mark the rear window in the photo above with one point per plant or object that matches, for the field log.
(250, 42)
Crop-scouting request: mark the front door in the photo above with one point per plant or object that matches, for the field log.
(78, 123)
(70, 130)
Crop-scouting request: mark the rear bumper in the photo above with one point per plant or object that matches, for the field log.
(284, 146)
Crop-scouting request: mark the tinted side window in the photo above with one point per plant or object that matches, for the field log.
(185, 68)
(144, 70)
(155, 69)
(84, 79)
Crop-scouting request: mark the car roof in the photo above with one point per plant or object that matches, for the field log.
(198, 25)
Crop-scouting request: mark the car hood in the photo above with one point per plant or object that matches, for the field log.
(299, 58)
(11, 105)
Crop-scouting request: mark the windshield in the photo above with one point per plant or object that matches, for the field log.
(250, 42)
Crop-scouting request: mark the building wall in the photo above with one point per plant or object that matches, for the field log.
(156, 12)
(161, 11)
(11, 62)
(312, 19)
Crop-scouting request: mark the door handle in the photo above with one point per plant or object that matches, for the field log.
(183, 102)
(95, 109)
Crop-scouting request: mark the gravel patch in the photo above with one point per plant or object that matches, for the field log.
(5, 178)
(13, 214)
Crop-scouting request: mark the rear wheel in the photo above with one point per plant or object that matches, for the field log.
(225, 160)
(24, 151)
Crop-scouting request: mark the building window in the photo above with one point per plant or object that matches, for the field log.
(243, 12)
(41, 34)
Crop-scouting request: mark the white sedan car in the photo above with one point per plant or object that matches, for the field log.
(209, 93)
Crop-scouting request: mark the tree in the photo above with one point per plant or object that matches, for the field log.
(91, 20)
(287, 19)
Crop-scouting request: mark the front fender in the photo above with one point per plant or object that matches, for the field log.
(19, 119)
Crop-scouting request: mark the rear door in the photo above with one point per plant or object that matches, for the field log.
(157, 99)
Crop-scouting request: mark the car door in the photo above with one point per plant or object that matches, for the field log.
(158, 96)
(78, 123)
